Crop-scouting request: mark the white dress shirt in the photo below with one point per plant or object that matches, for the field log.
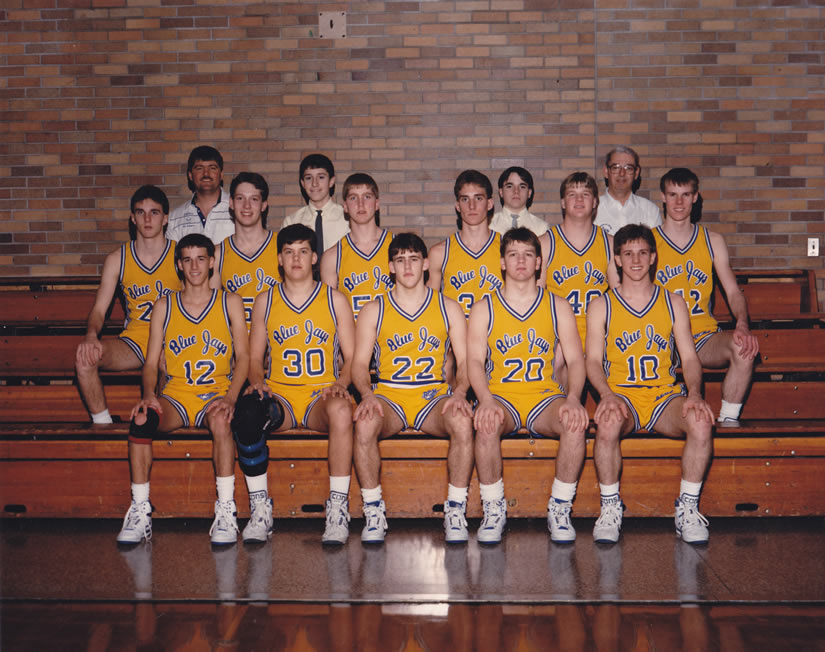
(612, 216)
(186, 219)
(332, 214)
(503, 221)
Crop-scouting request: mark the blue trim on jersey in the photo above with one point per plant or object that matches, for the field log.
(606, 244)
(706, 233)
(608, 313)
(480, 252)
(154, 268)
(134, 346)
(583, 250)
(306, 303)
(184, 415)
(552, 249)
(529, 312)
(535, 413)
(248, 259)
(681, 250)
(657, 413)
(672, 340)
(641, 313)
(287, 409)
(336, 346)
(204, 312)
(367, 257)
(420, 310)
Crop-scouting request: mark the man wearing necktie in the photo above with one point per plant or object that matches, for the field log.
(515, 189)
(321, 213)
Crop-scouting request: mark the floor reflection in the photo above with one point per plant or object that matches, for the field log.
(364, 627)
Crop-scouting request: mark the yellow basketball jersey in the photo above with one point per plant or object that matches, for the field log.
(142, 286)
(468, 276)
(411, 350)
(303, 340)
(248, 276)
(363, 276)
(520, 348)
(578, 275)
(198, 348)
(688, 271)
(638, 349)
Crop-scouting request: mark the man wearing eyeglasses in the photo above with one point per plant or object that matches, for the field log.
(620, 206)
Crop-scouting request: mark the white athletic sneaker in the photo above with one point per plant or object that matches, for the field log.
(224, 530)
(455, 522)
(690, 524)
(376, 526)
(495, 518)
(337, 528)
(609, 522)
(558, 521)
(137, 524)
(727, 422)
(259, 528)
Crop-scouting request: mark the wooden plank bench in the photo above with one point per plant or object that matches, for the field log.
(52, 464)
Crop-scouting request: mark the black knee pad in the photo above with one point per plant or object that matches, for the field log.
(254, 418)
(145, 433)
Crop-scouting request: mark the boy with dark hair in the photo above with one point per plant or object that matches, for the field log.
(208, 210)
(467, 265)
(143, 271)
(247, 260)
(629, 356)
(358, 264)
(410, 330)
(198, 333)
(689, 255)
(515, 188)
(300, 330)
(512, 341)
(316, 176)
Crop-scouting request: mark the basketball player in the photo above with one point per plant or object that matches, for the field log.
(513, 334)
(144, 271)
(196, 332)
(247, 261)
(358, 265)
(689, 254)
(466, 266)
(303, 326)
(631, 331)
(578, 263)
(410, 329)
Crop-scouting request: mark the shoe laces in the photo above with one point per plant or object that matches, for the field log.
(337, 512)
(561, 510)
(691, 515)
(375, 517)
(454, 514)
(493, 510)
(259, 511)
(225, 517)
(611, 513)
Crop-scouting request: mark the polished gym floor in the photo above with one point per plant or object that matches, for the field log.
(758, 584)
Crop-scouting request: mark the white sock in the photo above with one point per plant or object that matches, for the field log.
(563, 491)
(608, 490)
(371, 495)
(226, 488)
(140, 492)
(102, 417)
(339, 484)
(690, 488)
(729, 410)
(492, 492)
(256, 483)
(457, 494)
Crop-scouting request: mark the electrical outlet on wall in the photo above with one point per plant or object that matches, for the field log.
(813, 246)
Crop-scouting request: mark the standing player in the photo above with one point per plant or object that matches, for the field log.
(467, 265)
(511, 345)
(689, 254)
(631, 331)
(197, 331)
(578, 263)
(208, 210)
(515, 188)
(410, 329)
(248, 259)
(144, 270)
(358, 265)
(316, 175)
(299, 329)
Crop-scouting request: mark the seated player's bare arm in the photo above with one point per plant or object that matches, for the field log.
(747, 342)
(436, 258)
(691, 367)
(329, 265)
(457, 402)
(90, 351)
(154, 351)
(225, 405)
(346, 343)
(571, 412)
(612, 272)
(215, 279)
(257, 347)
(610, 406)
(544, 241)
(365, 333)
(489, 415)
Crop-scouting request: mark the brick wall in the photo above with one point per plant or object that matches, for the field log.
(100, 96)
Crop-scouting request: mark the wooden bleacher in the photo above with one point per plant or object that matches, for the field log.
(54, 464)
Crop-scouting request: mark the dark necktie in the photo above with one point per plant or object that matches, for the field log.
(515, 220)
(319, 233)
